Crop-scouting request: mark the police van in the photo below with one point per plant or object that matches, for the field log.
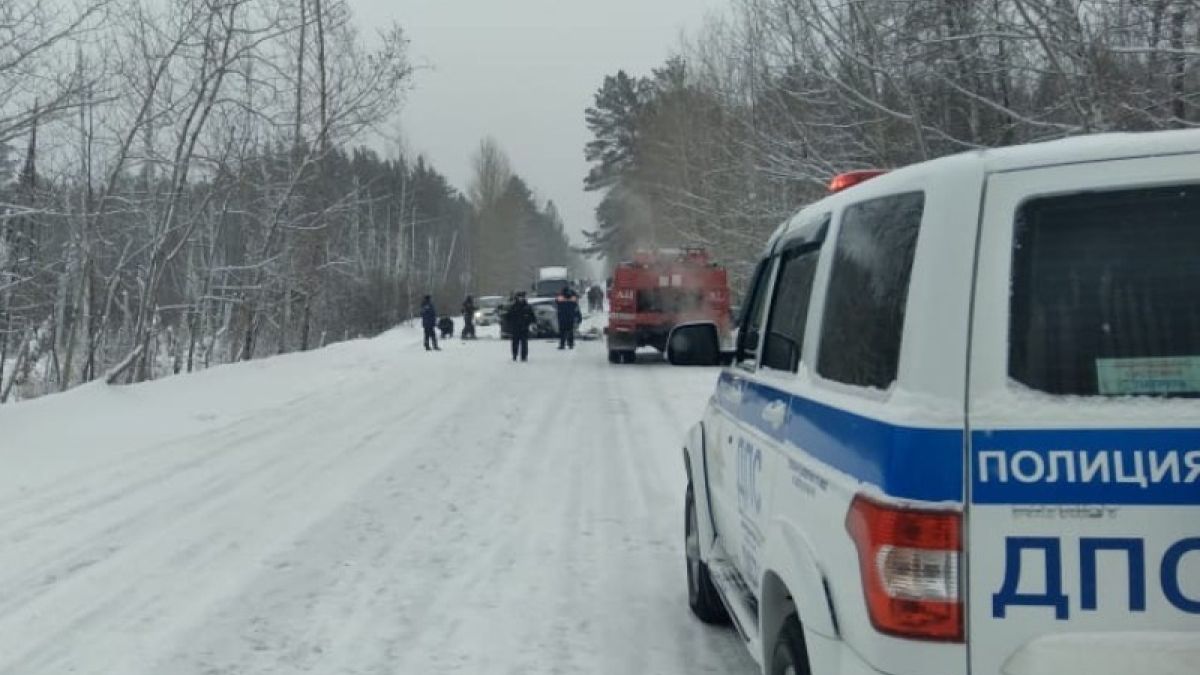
(961, 429)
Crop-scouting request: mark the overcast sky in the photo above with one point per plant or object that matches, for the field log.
(523, 71)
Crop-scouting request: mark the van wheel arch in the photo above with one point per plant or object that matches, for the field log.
(775, 607)
(790, 654)
(693, 444)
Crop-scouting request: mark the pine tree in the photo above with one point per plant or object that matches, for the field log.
(614, 121)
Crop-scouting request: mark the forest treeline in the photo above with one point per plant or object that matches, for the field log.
(765, 104)
(184, 183)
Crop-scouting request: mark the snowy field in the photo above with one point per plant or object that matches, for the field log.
(366, 508)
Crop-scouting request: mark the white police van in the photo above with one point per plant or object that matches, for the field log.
(961, 431)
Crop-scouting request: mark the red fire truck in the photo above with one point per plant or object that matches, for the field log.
(658, 290)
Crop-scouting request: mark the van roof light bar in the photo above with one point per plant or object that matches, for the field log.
(849, 179)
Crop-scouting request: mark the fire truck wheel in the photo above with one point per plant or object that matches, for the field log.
(614, 356)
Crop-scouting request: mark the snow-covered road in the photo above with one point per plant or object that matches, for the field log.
(366, 508)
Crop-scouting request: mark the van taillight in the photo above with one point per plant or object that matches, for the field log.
(909, 561)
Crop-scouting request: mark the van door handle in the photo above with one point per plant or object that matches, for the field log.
(775, 414)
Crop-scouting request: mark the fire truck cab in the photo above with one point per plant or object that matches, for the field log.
(658, 290)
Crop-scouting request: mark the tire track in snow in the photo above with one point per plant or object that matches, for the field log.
(506, 520)
(379, 583)
(470, 624)
(654, 432)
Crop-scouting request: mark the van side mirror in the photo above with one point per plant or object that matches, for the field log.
(747, 343)
(694, 344)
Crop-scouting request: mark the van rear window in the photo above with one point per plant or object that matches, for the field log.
(868, 290)
(1106, 293)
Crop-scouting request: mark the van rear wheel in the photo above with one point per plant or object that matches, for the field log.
(702, 594)
(791, 654)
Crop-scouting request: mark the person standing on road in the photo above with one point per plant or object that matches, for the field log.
(468, 310)
(596, 299)
(429, 319)
(568, 316)
(519, 317)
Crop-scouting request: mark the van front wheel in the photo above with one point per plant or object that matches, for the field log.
(702, 594)
(791, 654)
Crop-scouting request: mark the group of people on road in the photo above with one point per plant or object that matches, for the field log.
(519, 317)
(432, 324)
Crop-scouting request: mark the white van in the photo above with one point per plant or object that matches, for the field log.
(961, 431)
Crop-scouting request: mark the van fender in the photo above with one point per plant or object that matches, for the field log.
(695, 463)
(792, 581)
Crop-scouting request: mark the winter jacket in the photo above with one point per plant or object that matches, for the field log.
(519, 317)
(468, 310)
(428, 315)
(568, 310)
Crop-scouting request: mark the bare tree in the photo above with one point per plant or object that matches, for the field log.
(189, 199)
(493, 233)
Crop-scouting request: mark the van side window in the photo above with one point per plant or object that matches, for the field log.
(868, 290)
(752, 313)
(789, 310)
(1104, 293)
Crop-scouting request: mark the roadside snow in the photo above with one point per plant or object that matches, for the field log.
(366, 508)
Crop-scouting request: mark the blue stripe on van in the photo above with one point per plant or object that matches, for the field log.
(755, 400)
(903, 462)
(1086, 467)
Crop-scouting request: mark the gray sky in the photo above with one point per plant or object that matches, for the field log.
(523, 71)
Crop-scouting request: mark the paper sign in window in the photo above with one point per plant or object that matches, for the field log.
(1148, 375)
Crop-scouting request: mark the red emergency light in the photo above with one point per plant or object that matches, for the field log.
(851, 178)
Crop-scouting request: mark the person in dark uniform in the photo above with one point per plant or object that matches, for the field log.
(568, 317)
(519, 318)
(595, 299)
(468, 310)
(429, 323)
(446, 326)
